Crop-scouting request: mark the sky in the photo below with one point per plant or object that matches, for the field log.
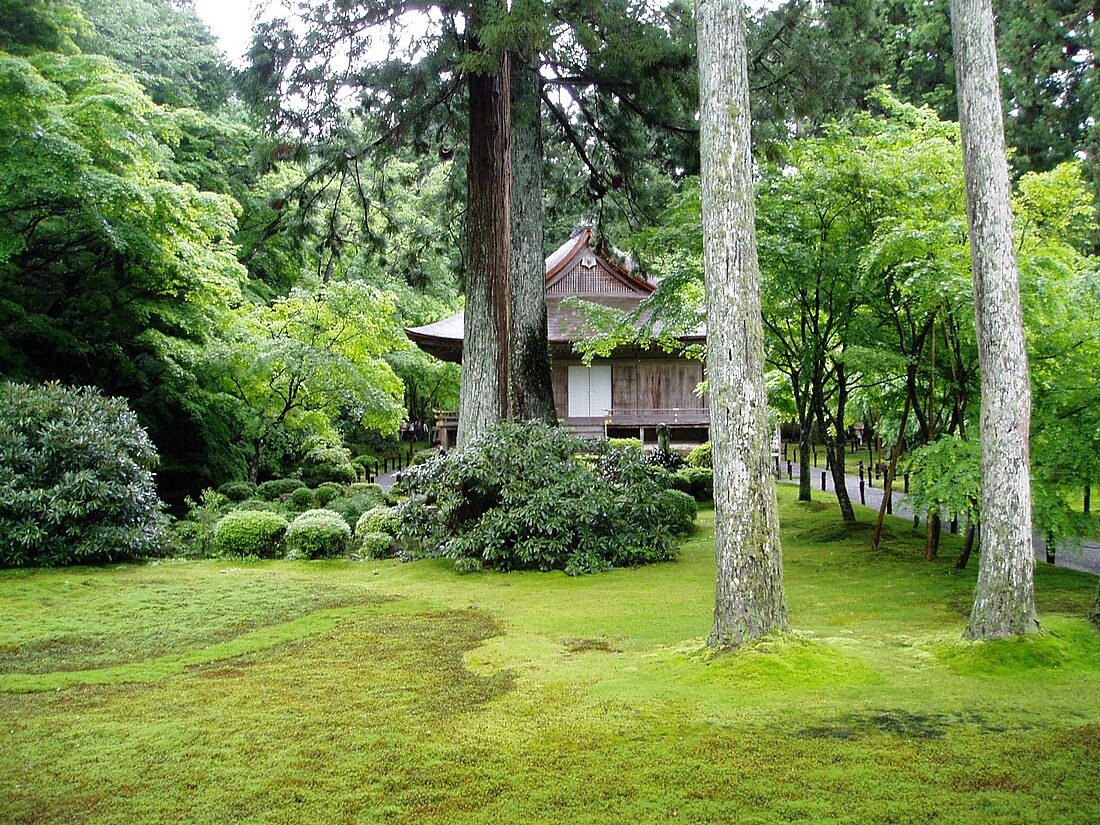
(231, 23)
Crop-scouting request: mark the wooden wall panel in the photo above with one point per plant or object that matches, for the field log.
(624, 386)
(559, 376)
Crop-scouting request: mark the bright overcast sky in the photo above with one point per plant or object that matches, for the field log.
(231, 23)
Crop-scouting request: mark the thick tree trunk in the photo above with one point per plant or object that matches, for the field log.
(532, 391)
(1004, 602)
(1094, 616)
(485, 361)
(749, 598)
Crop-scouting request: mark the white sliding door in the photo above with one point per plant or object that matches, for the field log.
(589, 391)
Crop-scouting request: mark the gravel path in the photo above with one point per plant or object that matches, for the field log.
(1085, 557)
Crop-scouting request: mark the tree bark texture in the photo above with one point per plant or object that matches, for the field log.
(485, 360)
(1004, 602)
(749, 598)
(532, 391)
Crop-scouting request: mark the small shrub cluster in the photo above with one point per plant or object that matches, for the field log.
(238, 490)
(275, 489)
(375, 545)
(76, 481)
(697, 482)
(318, 534)
(666, 459)
(303, 499)
(380, 519)
(203, 533)
(352, 506)
(250, 533)
(522, 497)
(683, 510)
(328, 463)
(701, 456)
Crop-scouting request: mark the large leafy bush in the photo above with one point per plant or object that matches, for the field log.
(250, 533)
(76, 481)
(527, 496)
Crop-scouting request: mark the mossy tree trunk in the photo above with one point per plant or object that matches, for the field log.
(532, 393)
(1004, 601)
(749, 599)
(484, 392)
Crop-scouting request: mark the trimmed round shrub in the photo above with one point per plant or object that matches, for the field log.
(317, 534)
(324, 495)
(275, 489)
(698, 482)
(376, 545)
(379, 519)
(250, 533)
(701, 456)
(362, 488)
(678, 511)
(76, 481)
(353, 507)
(302, 499)
(238, 490)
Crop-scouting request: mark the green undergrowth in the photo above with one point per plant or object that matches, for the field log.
(406, 693)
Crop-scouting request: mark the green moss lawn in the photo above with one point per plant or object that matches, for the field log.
(328, 692)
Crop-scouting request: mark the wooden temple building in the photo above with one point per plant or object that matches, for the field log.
(625, 395)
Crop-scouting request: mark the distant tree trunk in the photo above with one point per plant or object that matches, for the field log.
(888, 485)
(1004, 602)
(840, 486)
(968, 546)
(531, 388)
(805, 481)
(749, 598)
(932, 536)
(485, 361)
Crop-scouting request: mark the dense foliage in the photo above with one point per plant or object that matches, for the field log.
(76, 481)
(527, 496)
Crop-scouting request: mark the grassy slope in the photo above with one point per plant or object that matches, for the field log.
(382, 692)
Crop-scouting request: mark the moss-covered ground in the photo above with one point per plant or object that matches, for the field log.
(385, 692)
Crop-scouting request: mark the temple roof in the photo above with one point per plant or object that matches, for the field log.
(574, 269)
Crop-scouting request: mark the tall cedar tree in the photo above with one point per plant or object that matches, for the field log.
(486, 364)
(749, 599)
(1004, 603)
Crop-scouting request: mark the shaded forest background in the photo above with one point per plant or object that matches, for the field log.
(236, 252)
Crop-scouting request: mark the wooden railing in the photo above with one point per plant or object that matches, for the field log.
(673, 416)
